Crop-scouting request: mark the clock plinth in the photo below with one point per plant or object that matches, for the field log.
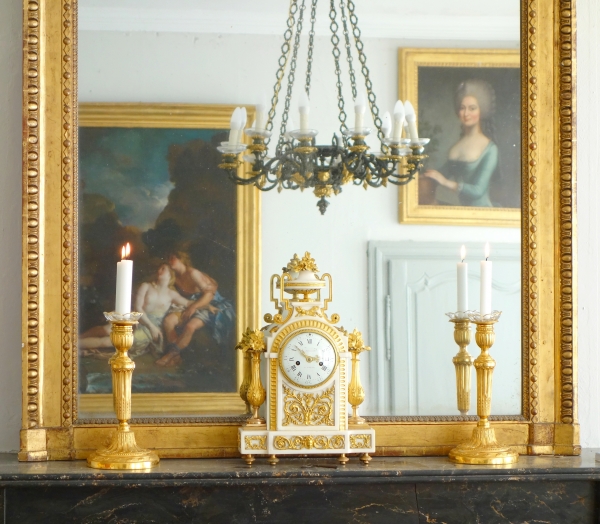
(307, 388)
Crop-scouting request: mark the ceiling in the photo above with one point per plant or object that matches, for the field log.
(457, 19)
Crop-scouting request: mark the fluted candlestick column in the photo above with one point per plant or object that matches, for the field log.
(123, 451)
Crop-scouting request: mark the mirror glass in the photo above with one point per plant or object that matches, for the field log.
(393, 281)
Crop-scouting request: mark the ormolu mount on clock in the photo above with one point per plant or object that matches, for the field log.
(306, 366)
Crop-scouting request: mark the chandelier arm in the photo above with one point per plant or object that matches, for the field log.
(283, 168)
(283, 60)
(311, 40)
(243, 181)
(401, 180)
(376, 176)
(352, 165)
(335, 40)
(365, 71)
(348, 50)
(291, 76)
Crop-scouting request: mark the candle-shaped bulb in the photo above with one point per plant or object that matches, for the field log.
(386, 125)
(485, 292)
(360, 106)
(411, 119)
(289, 126)
(398, 120)
(235, 126)
(261, 114)
(304, 109)
(462, 282)
(244, 118)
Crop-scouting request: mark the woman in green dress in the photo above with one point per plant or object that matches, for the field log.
(473, 160)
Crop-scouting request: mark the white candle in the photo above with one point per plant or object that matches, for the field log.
(485, 293)
(411, 119)
(304, 109)
(360, 106)
(124, 281)
(235, 126)
(462, 282)
(261, 114)
(386, 125)
(398, 120)
(244, 119)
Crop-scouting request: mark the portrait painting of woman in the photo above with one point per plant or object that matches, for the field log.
(473, 160)
(468, 104)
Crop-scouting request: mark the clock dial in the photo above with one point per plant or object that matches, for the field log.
(308, 359)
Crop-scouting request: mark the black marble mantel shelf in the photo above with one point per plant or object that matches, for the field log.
(390, 489)
(214, 472)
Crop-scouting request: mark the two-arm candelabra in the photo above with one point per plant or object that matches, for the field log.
(483, 448)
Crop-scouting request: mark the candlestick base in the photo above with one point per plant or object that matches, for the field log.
(483, 449)
(123, 453)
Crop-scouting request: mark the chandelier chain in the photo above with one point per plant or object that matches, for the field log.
(283, 60)
(311, 40)
(348, 50)
(291, 77)
(335, 40)
(365, 71)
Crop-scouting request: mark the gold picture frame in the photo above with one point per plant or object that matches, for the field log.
(548, 423)
(95, 407)
(419, 72)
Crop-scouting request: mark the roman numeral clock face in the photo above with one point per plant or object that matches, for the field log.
(308, 359)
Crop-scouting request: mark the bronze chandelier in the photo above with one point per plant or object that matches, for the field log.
(299, 163)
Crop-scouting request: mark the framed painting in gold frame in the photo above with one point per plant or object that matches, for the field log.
(51, 427)
(468, 103)
(149, 175)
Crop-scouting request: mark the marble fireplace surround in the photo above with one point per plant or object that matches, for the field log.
(400, 490)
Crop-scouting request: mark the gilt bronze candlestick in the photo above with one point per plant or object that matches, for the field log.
(483, 448)
(122, 451)
(462, 361)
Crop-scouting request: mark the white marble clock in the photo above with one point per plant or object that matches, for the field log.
(306, 375)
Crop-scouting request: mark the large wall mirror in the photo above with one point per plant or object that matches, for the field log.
(135, 97)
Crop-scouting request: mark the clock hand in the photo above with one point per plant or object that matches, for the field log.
(306, 357)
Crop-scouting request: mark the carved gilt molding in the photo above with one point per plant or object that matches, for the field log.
(565, 198)
(31, 227)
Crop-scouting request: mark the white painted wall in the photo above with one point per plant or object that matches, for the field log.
(383, 208)
(213, 68)
(588, 195)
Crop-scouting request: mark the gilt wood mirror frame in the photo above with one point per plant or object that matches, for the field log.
(51, 429)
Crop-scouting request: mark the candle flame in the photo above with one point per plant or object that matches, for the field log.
(125, 251)
(487, 250)
(463, 253)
